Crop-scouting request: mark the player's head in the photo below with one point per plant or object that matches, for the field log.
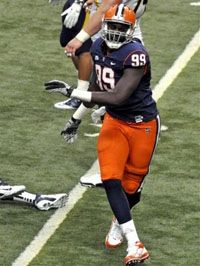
(118, 26)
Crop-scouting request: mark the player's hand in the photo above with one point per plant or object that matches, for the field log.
(70, 130)
(97, 115)
(72, 46)
(72, 14)
(58, 86)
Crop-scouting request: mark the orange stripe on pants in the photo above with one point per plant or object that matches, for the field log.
(125, 151)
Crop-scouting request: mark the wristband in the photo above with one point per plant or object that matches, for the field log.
(82, 36)
(85, 96)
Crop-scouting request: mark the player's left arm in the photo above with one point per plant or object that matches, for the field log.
(134, 70)
(123, 89)
(135, 67)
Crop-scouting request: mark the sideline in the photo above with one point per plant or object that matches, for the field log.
(77, 192)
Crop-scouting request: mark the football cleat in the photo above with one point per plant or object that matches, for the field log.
(91, 180)
(69, 104)
(7, 191)
(136, 254)
(114, 237)
(54, 201)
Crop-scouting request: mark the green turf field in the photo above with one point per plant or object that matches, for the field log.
(33, 153)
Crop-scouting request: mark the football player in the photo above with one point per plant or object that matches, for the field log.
(130, 130)
(40, 201)
(74, 17)
(71, 19)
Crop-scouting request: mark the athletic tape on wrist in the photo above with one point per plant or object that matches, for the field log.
(82, 36)
(84, 96)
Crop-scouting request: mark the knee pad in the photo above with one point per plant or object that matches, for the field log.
(133, 184)
(129, 186)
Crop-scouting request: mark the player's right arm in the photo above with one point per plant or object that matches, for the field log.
(92, 27)
(95, 21)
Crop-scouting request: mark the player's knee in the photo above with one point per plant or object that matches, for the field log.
(130, 186)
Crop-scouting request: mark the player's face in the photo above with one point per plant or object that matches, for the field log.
(117, 31)
(118, 27)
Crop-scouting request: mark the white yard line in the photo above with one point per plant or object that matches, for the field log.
(195, 3)
(77, 192)
(177, 67)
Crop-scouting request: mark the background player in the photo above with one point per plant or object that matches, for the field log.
(94, 24)
(74, 16)
(131, 125)
(40, 201)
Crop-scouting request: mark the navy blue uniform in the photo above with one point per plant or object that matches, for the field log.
(140, 106)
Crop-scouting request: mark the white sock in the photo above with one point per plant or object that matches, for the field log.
(82, 84)
(130, 232)
(25, 197)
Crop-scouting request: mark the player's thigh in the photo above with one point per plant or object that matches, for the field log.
(142, 146)
(113, 150)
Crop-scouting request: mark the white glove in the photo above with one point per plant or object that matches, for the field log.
(72, 14)
(98, 114)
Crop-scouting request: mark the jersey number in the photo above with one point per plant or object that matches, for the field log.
(138, 60)
(105, 78)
